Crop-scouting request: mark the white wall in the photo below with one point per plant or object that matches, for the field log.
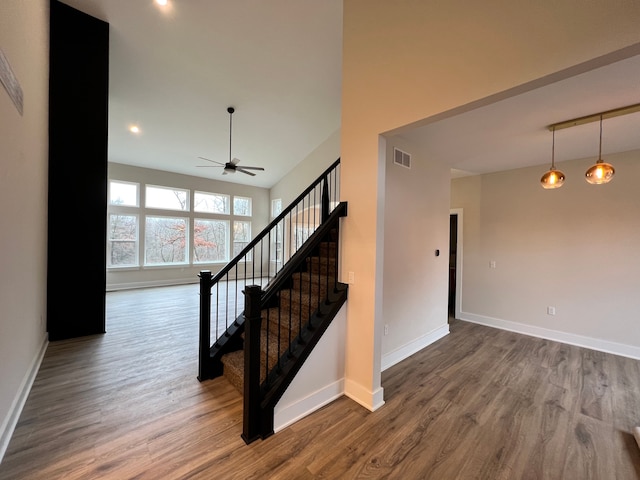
(406, 61)
(156, 276)
(574, 248)
(320, 379)
(309, 169)
(24, 39)
(416, 224)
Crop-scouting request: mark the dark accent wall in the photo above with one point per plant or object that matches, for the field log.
(78, 116)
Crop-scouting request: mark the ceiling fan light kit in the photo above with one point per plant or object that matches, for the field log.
(599, 173)
(232, 165)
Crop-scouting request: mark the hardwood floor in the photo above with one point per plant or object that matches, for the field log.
(480, 403)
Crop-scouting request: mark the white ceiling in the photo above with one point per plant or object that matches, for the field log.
(513, 132)
(174, 72)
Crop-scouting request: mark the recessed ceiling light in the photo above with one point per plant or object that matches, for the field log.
(162, 2)
(134, 129)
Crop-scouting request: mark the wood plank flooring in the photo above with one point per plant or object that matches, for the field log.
(480, 403)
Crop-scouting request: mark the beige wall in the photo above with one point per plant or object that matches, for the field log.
(24, 39)
(308, 170)
(414, 280)
(574, 248)
(406, 61)
(156, 276)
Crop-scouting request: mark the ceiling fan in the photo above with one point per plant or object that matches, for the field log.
(232, 165)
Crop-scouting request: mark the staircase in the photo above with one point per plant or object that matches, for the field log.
(261, 348)
(281, 324)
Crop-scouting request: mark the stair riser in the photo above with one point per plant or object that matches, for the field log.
(316, 290)
(309, 289)
(305, 281)
(284, 321)
(321, 267)
(328, 249)
(233, 367)
(294, 297)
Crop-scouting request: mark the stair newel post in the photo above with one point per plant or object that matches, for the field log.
(325, 200)
(252, 326)
(205, 368)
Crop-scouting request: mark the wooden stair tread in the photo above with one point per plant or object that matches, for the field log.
(296, 305)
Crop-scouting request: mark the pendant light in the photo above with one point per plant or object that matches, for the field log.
(553, 178)
(601, 172)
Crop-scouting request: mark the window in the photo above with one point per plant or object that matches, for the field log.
(241, 237)
(210, 240)
(166, 198)
(123, 193)
(302, 233)
(156, 226)
(122, 246)
(242, 206)
(276, 207)
(211, 203)
(165, 240)
(276, 242)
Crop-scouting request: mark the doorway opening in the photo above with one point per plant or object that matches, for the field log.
(453, 253)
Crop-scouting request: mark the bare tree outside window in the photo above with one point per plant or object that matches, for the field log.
(123, 240)
(210, 242)
(211, 203)
(242, 206)
(123, 194)
(241, 237)
(143, 229)
(165, 240)
(166, 198)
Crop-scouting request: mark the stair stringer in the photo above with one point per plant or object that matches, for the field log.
(320, 379)
(280, 379)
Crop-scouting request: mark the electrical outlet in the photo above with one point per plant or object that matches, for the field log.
(492, 264)
(386, 329)
(551, 310)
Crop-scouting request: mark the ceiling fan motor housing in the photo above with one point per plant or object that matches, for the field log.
(230, 166)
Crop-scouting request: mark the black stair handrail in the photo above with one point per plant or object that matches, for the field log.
(260, 398)
(253, 256)
(216, 278)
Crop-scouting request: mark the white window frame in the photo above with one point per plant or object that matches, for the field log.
(212, 194)
(184, 208)
(238, 197)
(111, 240)
(228, 236)
(123, 182)
(186, 241)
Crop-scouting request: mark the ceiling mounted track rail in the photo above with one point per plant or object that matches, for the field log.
(616, 112)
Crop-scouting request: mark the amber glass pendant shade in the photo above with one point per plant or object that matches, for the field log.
(553, 178)
(601, 172)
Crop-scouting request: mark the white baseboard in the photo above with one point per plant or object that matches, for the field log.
(563, 337)
(11, 420)
(399, 354)
(114, 287)
(289, 414)
(369, 400)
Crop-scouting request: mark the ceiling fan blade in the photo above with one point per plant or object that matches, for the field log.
(209, 166)
(253, 168)
(213, 161)
(245, 171)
